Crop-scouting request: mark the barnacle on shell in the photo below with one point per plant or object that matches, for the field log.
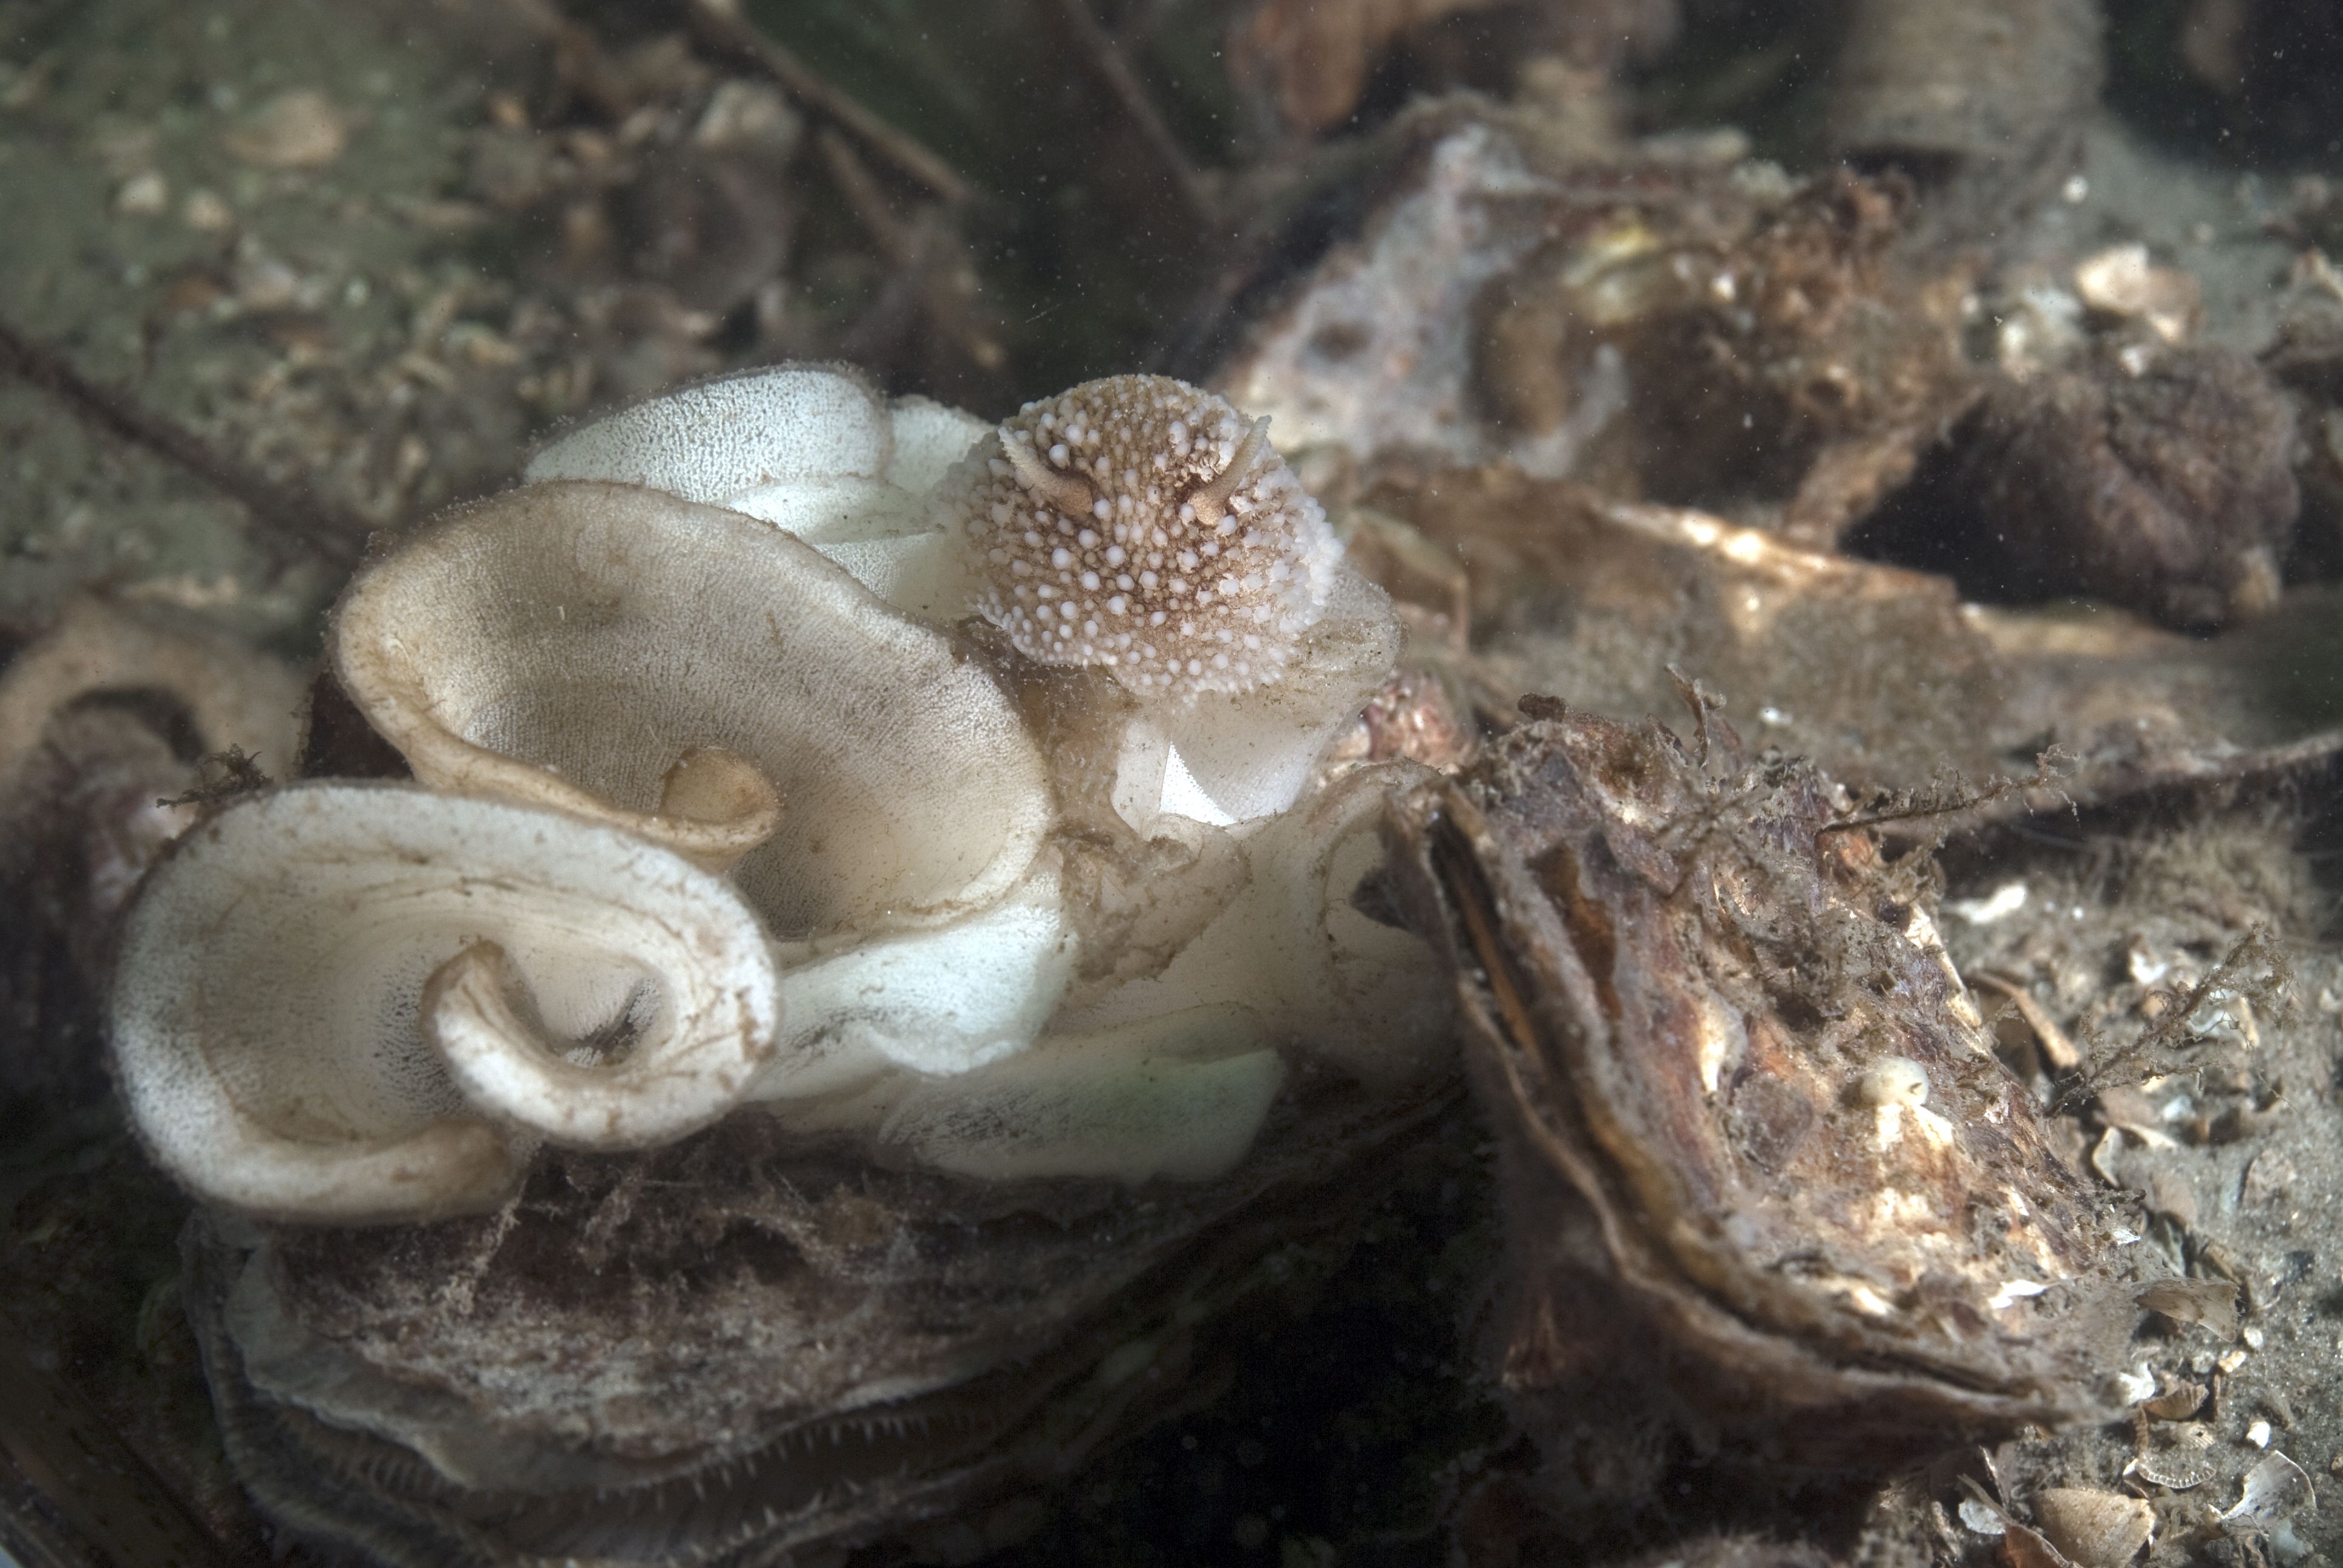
(1141, 524)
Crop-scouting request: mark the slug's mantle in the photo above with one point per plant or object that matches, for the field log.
(1019, 912)
(1138, 524)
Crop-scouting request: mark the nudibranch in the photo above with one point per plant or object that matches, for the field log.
(997, 742)
(1140, 524)
(846, 947)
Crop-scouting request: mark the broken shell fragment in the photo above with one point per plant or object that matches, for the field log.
(2094, 1529)
(299, 129)
(359, 1003)
(1671, 977)
(2022, 1548)
(2275, 1487)
(2119, 281)
(2212, 1303)
(1894, 1080)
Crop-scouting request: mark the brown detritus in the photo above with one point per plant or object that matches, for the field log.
(1313, 58)
(220, 777)
(692, 187)
(2256, 968)
(2305, 356)
(2169, 489)
(1928, 813)
(2265, 77)
(80, 821)
(929, 312)
(1875, 671)
(720, 27)
(1786, 362)
(292, 524)
(63, 1450)
(336, 741)
(713, 225)
(2058, 1052)
(2092, 1528)
(1985, 102)
(2172, 1195)
(1745, 1107)
(2240, 1123)
(1428, 585)
(1197, 200)
(2312, 218)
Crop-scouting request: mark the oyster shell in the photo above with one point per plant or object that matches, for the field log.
(1763, 1173)
(733, 1350)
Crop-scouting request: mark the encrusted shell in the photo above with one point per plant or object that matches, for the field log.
(1746, 1107)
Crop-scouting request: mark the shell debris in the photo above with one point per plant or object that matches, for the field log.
(2091, 1528)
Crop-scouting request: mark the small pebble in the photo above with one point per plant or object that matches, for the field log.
(300, 129)
(142, 194)
(205, 212)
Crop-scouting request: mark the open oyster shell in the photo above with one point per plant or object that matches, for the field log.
(1760, 1161)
